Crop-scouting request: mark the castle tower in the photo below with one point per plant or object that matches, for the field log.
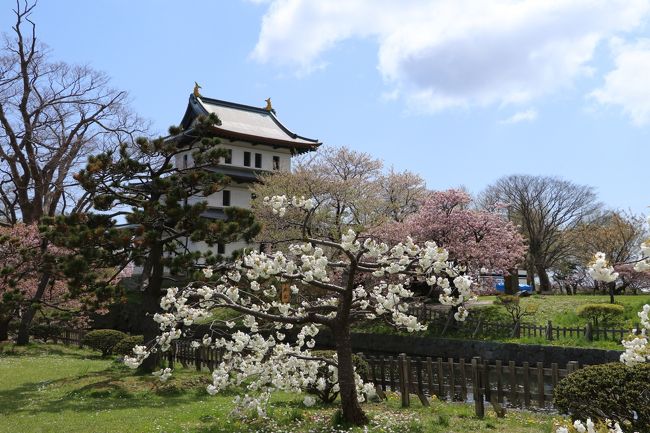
(257, 143)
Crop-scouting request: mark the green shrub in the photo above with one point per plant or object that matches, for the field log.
(614, 390)
(103, 340)
(126, 345)
(600, 313)
(44, 331)
(328, 395)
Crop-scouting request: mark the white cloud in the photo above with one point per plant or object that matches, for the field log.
(627, 85)
(521, 116)
(453, 53)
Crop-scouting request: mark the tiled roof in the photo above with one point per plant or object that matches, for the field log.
(244, 122)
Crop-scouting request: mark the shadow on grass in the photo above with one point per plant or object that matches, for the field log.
(12, 351)
(112, 388)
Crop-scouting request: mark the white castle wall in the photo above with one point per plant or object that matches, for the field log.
(240, 195)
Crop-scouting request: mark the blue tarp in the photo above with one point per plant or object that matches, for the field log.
(522, 287)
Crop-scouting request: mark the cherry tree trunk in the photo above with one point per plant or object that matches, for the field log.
(511, 282)
(544, 280)
(611, 288)
(530, 276)
(352, 412)
(28, 315)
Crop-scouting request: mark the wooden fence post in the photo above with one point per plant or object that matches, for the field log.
(441, 379)
(421, 395)
(429, 367)
(589, 332)
(462, 379)
(540, 384)
(197, 358)
(170, 356)
(572, 366)
(512, 374)
(479, 405)
(549, 331)
(526, 380)
(485, 381)
(499, 371)
(404, 379)
(452, 380)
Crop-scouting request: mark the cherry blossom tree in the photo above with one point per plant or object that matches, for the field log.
(22, 285)
(39, 277)
(352, 190)
(318, 284)
(474, 238)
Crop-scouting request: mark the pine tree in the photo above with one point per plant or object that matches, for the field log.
(149, 208)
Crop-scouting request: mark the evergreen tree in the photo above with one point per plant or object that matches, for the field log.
(149, 208)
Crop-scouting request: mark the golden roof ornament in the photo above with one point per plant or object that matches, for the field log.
(196, 90)
(269, 107)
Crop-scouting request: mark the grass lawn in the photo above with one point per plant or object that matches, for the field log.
(561, 309)
(51, 388)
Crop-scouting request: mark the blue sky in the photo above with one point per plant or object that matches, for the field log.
(461, 92)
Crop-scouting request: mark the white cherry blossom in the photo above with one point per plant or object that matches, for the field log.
(282, 319)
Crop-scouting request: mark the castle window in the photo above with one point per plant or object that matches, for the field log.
(247, 159)
(228, 157)
(226, 197)
(276, 163)
(221, 249)
(258, 160)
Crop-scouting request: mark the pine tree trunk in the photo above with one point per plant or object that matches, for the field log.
(352, 412)
(4, 328)
(151, 304)
(28, 316)
(150, 330)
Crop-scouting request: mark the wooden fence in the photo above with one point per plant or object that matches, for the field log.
(69, 337)
(475, 380)
(475, 326)
(498, 382)
(183, 352)
(200, 357)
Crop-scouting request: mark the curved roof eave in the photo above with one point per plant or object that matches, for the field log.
(196, 108)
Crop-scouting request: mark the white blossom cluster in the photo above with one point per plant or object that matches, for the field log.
(600, 270)
(590, 427)
(644, 264)
(163, 374)
(281, 318)
(637, 349)
(280, 203)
